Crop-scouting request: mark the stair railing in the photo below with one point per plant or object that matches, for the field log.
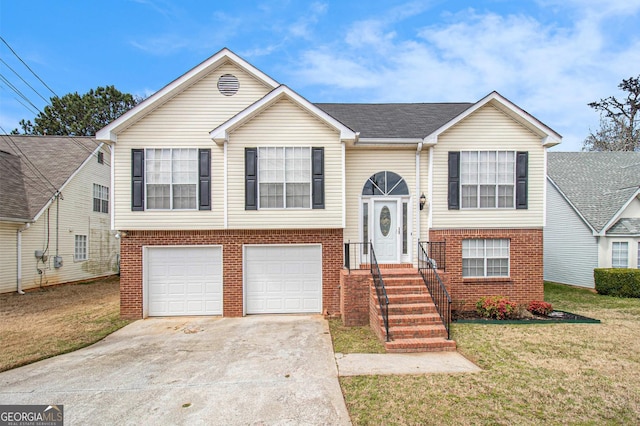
(383, 299)
(427, 268)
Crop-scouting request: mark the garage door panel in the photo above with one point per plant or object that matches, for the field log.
(184, 280)
(283, 279)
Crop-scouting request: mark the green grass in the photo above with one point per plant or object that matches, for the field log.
(348, 340)
(584, 374)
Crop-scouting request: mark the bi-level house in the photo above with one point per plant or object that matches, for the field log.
(235, 195)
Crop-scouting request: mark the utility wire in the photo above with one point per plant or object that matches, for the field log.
(28, 67)
(24, 81)
(27, 179)
(18, 92)
(33, 168)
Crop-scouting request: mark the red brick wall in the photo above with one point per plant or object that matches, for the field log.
(354, 297)
(232, 242)
(525, 282)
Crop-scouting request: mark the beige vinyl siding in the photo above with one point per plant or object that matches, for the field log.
(362, 163)
(485, 130)
(285, 124)
(8, 257)
(76, 218)
(183, 122)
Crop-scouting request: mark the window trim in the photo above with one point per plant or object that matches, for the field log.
(478, 185)
(485, 258)
(85, 245)
(310, 182)
(104, 202)
(624, 244)
(196, 159)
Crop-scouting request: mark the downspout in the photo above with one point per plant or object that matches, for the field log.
(418, 186)
(19, 256)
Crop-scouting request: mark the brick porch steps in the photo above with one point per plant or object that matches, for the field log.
(414, 322)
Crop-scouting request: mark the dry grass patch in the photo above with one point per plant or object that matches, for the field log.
(55, 320)
(533, 374)
(353, 340)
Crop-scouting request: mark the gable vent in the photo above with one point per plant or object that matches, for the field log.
(228, 84)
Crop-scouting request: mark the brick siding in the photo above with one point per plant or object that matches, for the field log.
(525, 282)
(232, 242)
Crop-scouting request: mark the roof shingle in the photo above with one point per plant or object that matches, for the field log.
(23, 191)
(598, 184)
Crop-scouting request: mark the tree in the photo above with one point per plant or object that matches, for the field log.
(619, 121)
(80, 115)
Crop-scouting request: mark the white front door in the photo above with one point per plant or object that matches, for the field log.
(386, 231)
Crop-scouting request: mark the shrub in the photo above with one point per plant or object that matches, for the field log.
(539, 307)
(620, 282)
(497, 307)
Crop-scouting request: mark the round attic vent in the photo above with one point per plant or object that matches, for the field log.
(228, 84)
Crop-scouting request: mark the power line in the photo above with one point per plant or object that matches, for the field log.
(18, 92)
(34, 169)
(23, 80)
(21, 103)
(27, 179)
(28, 67)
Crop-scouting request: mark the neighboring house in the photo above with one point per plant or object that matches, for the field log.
(54, 211)
(235, 195)
(593, 214)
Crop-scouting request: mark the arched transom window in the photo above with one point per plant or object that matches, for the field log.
(385, 183)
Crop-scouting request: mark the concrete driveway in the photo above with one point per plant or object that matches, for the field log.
(215, 371)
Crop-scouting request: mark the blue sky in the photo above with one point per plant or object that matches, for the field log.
(551, 57)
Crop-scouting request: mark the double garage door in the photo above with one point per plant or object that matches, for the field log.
(277, 279)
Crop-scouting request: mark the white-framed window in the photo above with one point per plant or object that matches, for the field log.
(485, 258)
(100, 198)
(284, 177)
(619, 254)
(487, 179)
(171, 178)
(80, 249)
(638, 262)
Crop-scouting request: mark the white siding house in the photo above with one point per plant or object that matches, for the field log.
(593, 214)
(54, 212)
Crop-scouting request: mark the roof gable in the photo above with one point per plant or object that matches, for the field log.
(109, 132)
(221, 133)
(598, 184)
(28, 162)
(548, 136)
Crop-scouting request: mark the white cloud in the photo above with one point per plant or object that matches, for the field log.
(551, 69)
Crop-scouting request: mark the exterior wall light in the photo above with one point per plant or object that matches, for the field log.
(423, 201)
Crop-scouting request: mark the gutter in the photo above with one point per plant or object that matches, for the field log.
(19, 256)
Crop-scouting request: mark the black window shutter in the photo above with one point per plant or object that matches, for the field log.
(454, 180)
(137, 179)
(522, 166)
(204, 176)
(317, 172)
(251, 178)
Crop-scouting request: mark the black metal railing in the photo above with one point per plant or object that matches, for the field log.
(429, 272)
(383, 299)
(436, 251)
(356, 256)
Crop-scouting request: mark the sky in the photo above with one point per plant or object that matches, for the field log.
(550, 57)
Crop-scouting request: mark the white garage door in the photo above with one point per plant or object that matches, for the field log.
(283, 279)
(184, 280)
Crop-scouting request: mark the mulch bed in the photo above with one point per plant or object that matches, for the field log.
(555, 317)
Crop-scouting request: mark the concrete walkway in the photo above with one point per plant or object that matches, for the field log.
(410, 363)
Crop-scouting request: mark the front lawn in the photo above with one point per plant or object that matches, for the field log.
(55, 320)
(532, 374)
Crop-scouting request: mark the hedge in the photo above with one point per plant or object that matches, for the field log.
(620, 282)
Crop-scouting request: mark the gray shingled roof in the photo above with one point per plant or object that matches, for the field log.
(394, 120)
(625, 226)
(598, 184)
(23, 192)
